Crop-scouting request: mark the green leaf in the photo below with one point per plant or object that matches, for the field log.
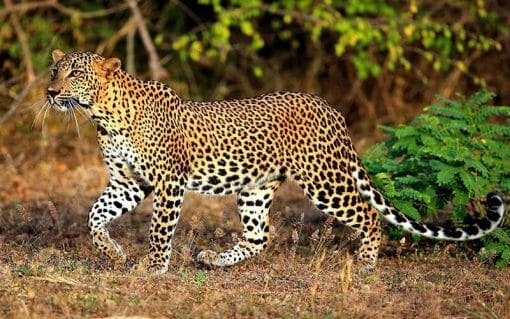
(446, 175)
(502, 236)
(449, 112)
(406, 131)
(477, 165)
(495, 130)
(385, 184)
(247, 27)
(196, 50)
(487, 111)
(258, 72)
(408, 209)
(406, 143)
(468, 180)
(505, 255)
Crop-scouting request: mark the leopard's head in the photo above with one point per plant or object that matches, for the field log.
(76, 79)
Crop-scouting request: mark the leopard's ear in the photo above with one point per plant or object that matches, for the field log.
(57, 55)
(107, 67)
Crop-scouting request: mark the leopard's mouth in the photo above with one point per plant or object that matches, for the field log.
(65, 104)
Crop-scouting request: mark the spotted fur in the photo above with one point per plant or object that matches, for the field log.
(154, 141)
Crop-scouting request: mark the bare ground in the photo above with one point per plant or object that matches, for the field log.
(50, 270)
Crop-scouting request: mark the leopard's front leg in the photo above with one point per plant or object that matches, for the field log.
(123, 193)
(167, 208)
(119, 197)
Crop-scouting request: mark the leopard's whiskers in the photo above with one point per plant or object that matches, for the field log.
(75, 119)
(42, 107)
(84, 113)
(44, 115)
(67, 115)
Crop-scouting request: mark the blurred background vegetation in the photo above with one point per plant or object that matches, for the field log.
(378, 61)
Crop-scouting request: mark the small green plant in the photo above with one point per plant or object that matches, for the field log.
(89, 303)
(23, 270)
(498, 247)
(184, 274)
(133, 299)
(454, 153)
(200, 278)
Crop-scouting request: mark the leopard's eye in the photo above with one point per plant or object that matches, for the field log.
(53, 74)
(75, 73)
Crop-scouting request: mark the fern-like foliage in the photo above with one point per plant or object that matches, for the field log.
(456, 152)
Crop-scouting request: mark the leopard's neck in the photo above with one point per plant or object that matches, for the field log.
(127, 104)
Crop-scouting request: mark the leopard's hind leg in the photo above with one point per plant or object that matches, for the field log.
(253, 205)
(338, 197)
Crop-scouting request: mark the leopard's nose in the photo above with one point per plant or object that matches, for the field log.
(53, 92)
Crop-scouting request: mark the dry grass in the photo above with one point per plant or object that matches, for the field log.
(50, 270)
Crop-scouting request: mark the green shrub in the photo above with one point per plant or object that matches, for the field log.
(454, 153)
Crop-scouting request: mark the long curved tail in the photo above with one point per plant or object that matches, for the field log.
(495, 211)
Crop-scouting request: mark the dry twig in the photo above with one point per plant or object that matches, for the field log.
(90, 14)
(69, 11)
(27, 56)
(24, 7)
(106, 46)
(20, 98)
(157, 71)
(130, 51)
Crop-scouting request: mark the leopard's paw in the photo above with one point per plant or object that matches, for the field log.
(145, 267)
(119, 261)
(208, 257)
(156, 269)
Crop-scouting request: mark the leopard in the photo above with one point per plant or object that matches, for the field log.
(155, 142)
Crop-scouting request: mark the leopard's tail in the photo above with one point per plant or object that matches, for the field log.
(495, 211)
